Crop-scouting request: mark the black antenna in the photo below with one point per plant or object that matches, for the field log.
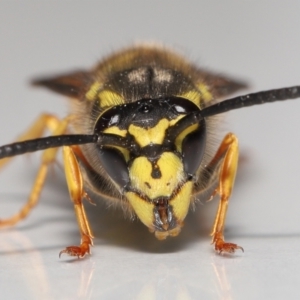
(45, 143)
(252, 99)
(103, 139)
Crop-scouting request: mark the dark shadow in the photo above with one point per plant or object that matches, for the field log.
(111, 228)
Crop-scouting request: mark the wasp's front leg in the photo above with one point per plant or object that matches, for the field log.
(56, 127)
(229, 150)
(75, 185)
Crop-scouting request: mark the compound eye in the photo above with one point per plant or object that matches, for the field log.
(109, 118)
(193, 148)
(111, 158)
(115, 165)
(183, 106)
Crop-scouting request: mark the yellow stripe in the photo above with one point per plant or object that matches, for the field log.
(174, 121)
(172, 174)
(192, 95)
(142, 208)
(116, 130)
(182, 135)
(145, 136)
(205, 93)
(109, 98)
(92, 92)
(181, 202)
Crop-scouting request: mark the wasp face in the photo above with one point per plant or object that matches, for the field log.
(153, 165)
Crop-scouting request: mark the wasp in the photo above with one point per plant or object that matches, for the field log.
(139, 135)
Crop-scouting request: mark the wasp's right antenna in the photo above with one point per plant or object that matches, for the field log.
(252, 99)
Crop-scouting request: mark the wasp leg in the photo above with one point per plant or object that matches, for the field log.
(57, 127)
(75, 185)
(228, 149)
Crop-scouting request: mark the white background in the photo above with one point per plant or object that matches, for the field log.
(258, 41)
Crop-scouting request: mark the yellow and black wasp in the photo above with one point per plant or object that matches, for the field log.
(139, 134)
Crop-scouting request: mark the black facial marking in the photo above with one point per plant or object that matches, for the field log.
(150, 74)
(156, 173)
(145, 113)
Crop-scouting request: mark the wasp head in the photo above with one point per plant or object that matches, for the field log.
(154, 159)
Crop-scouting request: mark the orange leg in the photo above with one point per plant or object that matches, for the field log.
(228, 149)
(75, 185)
(57, 127)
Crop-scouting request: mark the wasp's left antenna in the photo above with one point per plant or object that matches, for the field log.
(45, 143)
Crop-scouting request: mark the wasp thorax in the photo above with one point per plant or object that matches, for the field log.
(159, 146)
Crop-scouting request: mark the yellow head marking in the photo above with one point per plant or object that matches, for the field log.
(93, 91)
(205, 93)
(172, 174)
(145, 210)
(183, 134)
(174, 121)
(192, 95)
(142, 208)
(181, 202)
(115, 130)
(109, 98)
(146, 136)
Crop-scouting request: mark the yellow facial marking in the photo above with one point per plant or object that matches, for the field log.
(182, 135)
(174, 121)
(115, 130)
(146, 136)
(181, 202)
(145, 210)
(93, 91)
(172, 174)
(192, 95)
(142, 208)
(109, 98)
(205, 93)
